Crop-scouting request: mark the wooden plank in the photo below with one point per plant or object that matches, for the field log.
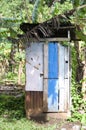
(66, 63)
(45, 91)
(59, 39)
(27, 101)
(66, 78)
(69, 78)
(46, 60)
(31, 99)
(66, 95)
(52, 60)
(34, 67)
(35, 100)
(33, 108)
(45, 96)
(41, 100)
(61, 78)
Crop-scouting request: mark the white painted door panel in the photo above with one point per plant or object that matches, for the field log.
(34, 67)
(61, 78)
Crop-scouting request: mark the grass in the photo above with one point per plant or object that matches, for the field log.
(12, 115)
(12, 107)
(22, 124)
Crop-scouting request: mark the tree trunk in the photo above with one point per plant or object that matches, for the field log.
(81, 68)
(79, 71)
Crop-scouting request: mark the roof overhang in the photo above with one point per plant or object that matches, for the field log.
(58, 28)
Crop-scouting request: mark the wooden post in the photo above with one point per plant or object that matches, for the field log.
(45, 91)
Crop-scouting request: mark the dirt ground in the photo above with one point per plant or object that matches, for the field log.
(60, 123)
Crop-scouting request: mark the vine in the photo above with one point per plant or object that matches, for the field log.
(78, 108)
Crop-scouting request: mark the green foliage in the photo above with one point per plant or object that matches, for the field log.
(12, 107)
(78, 108)
(23, 124)
(12, 115)
(4, 50)
(5, 74)
(83, 121)
(81, 35)
(58, 8)
(12, 14)
(76, 3)
(35, 11)
(78, 104)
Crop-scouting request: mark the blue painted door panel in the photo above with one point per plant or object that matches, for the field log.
(53, 77)
(52, 60)
(53, 95)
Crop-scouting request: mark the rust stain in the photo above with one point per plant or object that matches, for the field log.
(32, 65)
(28, 62)
(36, 67)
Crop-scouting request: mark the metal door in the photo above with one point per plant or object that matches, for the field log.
(52, 77)
(56, 77)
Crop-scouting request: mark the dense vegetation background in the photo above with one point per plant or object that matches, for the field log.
(12, 52)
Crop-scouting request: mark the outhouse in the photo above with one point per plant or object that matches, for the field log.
(48, 67)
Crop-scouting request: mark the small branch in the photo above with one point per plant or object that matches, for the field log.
(80, 7)
(41, 26)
